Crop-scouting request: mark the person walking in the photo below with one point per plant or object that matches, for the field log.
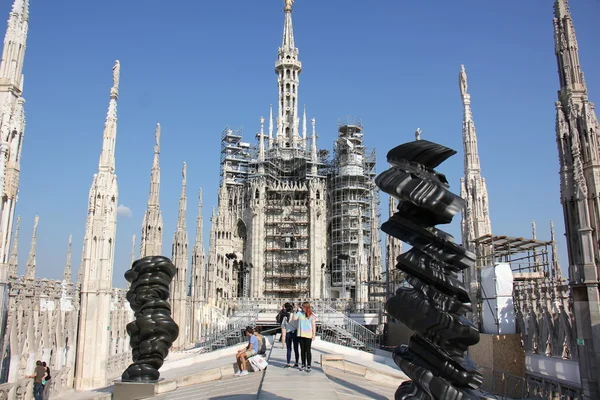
(307, 331)
(289, 329)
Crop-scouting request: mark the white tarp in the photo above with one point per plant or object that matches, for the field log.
(497, 309)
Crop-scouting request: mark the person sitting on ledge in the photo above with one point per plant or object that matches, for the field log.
(246, 352)
(262, 344)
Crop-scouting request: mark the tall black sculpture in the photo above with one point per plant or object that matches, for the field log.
(153, 331)
(436, 304)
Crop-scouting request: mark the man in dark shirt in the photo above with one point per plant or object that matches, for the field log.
(38, 386)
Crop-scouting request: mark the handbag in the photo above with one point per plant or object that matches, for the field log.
(258, 362)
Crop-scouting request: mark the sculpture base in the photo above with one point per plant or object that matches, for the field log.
(135, 390)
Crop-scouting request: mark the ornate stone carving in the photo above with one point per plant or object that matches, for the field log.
(153, 331)
(436, 304)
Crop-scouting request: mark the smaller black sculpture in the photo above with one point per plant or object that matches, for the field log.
(153, 331)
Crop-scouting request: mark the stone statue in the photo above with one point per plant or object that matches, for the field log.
(436, 303)
(462, 81)
(288, 5)
(418, 134)
(153, 331)
(157, 137)
(116, 74)
(184, 171)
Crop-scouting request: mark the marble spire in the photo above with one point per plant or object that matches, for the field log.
(132, 249)
(270, 126)
(198, 278)
(313, 147)
(476, 215)
(15, 43)
(393, 246)
(261, 142)
(288, 69)
(31, 259)
(577, 131)
(180, 260)
(98, 258)
(152, 225)
(13, 264)
(12, 120)
(556, 272)
(67, 273)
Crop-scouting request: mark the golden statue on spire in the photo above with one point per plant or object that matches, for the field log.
(288, 5)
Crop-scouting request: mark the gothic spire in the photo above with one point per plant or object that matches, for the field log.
(556, 272)
(107, 157)
(476, 215)
(152, 224)
(567, 51)
(15, 40)
(261, 142)
(270, 126)
(31, 261)
(288, 69)
(96, 271)
(198, 255)
(67, 272)
(180, 260)
(132, 251)
(13, 263)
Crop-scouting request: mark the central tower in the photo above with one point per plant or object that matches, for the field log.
(268, 236)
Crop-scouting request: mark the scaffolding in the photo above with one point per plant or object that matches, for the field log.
(528, 258)
(351, 199)
(236, 156)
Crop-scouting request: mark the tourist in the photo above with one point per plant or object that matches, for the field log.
(47, 377)
(244, 353)
(289, 327)
(38, 387)
(307, 331)
(262, 345)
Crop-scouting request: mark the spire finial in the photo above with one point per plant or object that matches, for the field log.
(418, 134)
(288, 5)
(533, 230)
(116, 77)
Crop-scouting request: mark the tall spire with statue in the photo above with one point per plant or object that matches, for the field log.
(98, 258)
(476, 215)
(577, 138)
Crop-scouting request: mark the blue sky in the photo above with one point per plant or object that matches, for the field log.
(196, 66)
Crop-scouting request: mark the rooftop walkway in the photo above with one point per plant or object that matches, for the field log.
(210, 376)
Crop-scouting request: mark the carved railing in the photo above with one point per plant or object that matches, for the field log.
(117, 363)
(21, 390)
(544, 317)
(61, 381)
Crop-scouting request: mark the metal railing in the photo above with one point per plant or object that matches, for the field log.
(336, 327)
(231, 335)
(339, 305)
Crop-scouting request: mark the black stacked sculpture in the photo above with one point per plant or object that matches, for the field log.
(153, 331)
(436, 304)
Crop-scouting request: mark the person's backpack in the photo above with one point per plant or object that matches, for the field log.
(279, 317)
